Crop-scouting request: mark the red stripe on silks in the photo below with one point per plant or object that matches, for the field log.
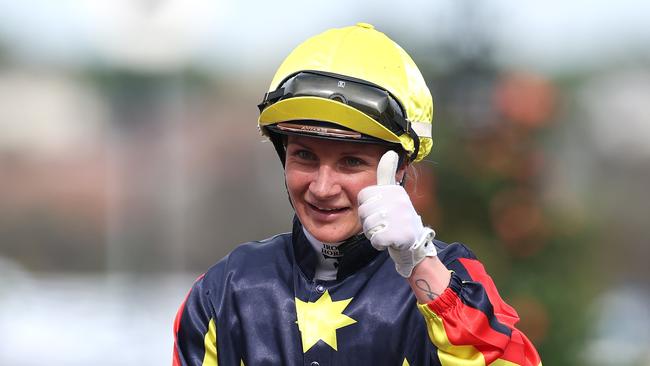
(465, 325)
(505, 313)
(514, 352)
(519, 345)
(177, 324)
(521, 350)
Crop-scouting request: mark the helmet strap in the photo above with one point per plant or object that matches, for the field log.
(279, 146)
(416, 143)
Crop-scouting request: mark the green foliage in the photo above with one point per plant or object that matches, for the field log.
(490, 195)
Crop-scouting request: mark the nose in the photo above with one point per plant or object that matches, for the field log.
(325, 183)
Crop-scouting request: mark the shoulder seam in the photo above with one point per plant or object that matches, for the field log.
(270, 238)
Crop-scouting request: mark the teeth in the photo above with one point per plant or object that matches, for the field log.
(327, 209)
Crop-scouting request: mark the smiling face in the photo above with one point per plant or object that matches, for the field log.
(323, 179)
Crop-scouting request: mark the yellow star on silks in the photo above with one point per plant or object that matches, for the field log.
(319, 320)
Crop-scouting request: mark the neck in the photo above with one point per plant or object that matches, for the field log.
(355, 253)
(328, 255)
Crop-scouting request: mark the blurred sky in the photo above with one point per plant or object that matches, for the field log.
(159, 34)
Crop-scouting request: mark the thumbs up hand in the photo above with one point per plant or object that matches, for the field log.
(390, 221)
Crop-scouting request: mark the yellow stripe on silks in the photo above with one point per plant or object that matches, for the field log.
(449, 354)
(210, 344)
(501, 362)
(405, 363)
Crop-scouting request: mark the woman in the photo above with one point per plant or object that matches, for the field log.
(359, 280)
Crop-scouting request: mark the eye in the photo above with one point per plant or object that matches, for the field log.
(304, 155)
(352, 162)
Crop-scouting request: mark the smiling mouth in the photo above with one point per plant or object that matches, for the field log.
(327, 210)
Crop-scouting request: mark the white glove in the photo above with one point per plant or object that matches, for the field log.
(390, 221)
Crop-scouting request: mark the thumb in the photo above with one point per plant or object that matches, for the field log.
(387, 168)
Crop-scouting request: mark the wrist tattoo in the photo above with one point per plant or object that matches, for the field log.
(424, 286)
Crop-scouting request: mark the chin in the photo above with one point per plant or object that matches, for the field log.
(330, 235)
(329, 238)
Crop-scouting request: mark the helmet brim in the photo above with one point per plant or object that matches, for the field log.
(325, 110)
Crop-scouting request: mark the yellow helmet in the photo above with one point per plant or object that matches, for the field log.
(351, 82)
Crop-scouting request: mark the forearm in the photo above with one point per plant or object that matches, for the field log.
(429, 279)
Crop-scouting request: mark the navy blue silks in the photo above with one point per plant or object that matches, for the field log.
(244, 307)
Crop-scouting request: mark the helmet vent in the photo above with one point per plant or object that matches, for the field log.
(339, 98)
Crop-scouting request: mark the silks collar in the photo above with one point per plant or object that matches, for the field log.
(356, 252)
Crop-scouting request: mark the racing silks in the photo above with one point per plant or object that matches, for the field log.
(261, 305)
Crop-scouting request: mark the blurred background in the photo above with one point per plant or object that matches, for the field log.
(130, 161)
